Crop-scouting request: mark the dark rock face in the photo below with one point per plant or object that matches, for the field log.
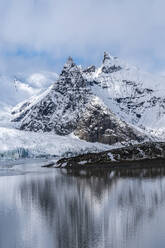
(98, 124)
(106, 58)
(90, 69)
(108, 67)
(111, 69)
(115, 157)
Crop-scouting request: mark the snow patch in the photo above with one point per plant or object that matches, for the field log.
(82, 162)
(110, 155)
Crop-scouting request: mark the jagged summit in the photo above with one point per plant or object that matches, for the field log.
(69, 66)
(107, 57)
(70, 79)
(69, 63)
(110, 64)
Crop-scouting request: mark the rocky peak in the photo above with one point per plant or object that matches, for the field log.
(71, 78)
(69, 67)
(107, 57)
(69, 63)
(110, 64)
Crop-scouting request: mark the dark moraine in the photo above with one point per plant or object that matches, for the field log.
(125, 156)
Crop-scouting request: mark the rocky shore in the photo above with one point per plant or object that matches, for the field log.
(126, 156)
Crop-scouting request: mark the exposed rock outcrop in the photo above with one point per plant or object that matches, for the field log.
(60, 108)
(116, 157)
(99, 124)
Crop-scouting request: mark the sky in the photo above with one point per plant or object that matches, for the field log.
(40, 34)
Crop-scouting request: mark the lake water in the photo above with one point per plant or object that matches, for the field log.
(53, 208)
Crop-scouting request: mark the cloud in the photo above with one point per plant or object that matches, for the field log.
(14, 92)
(41, 80)
(50, 30)
(24, 86)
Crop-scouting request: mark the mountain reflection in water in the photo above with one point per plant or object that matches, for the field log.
(83, 209)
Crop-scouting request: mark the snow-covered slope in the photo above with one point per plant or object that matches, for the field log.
(134, 96)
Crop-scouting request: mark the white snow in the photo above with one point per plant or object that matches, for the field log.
(15, 143)
(32, 101)
(111, 156)
(82, 162)
(42, 79)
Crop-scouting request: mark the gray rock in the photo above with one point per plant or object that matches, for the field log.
(99, 124)
(116, 157)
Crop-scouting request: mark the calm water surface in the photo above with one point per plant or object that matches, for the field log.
(92, 209)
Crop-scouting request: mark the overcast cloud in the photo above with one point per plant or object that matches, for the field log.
(40, 34)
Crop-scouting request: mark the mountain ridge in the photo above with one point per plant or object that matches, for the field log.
(122, 92)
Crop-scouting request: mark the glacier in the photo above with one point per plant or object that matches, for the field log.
(16, 144)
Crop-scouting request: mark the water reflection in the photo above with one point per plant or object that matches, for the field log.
(84, 209)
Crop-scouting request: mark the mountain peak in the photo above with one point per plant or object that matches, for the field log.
(70, 60)
(107, 57)
(92, 103)
(110, 64)
(69, 63)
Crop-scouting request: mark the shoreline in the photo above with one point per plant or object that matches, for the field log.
(138, 164)
(134, 156)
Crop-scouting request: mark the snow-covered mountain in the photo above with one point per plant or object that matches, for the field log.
(115, 103)
(134, 96)
(102, 104)
(15, 144)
